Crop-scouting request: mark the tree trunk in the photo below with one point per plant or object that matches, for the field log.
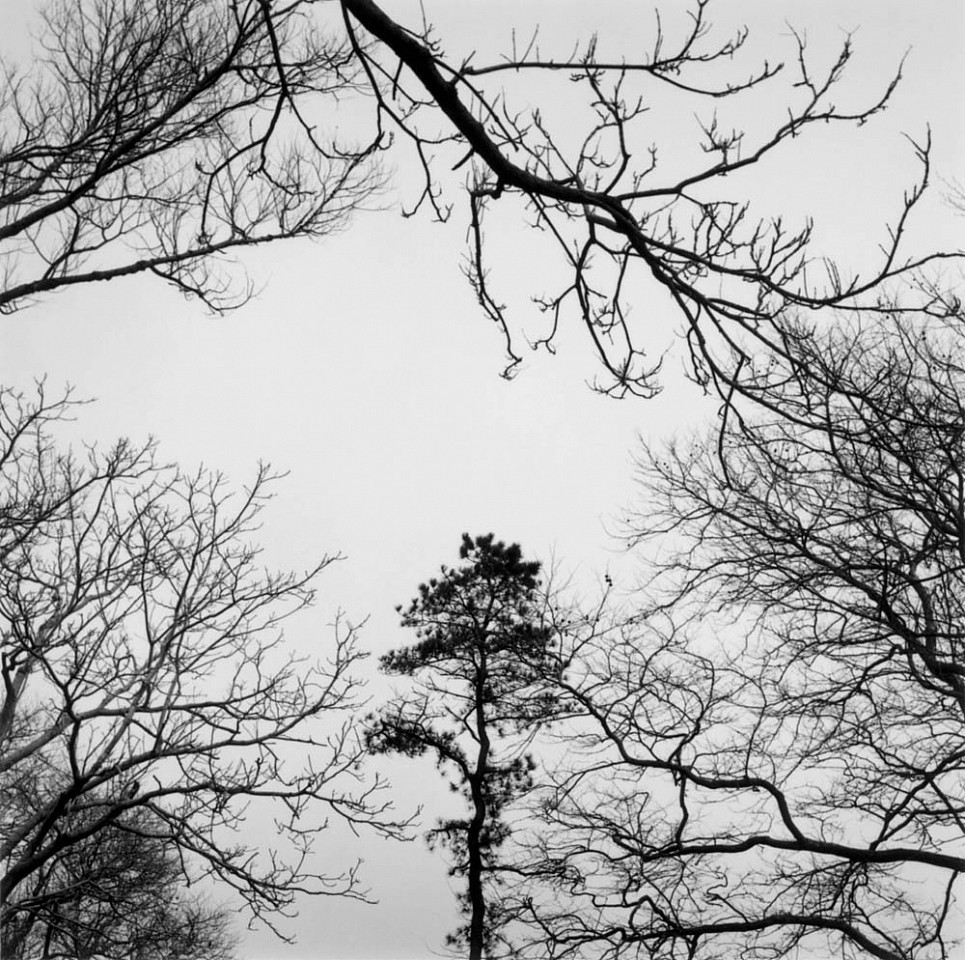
(477, 902)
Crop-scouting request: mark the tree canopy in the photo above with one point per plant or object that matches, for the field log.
(147, 678)
(482, 667)
(770, 760)
(161, 137)
(625, 222)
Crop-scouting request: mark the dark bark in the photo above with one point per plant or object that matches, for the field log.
(482, 671)
(144, 677)
(598, 190)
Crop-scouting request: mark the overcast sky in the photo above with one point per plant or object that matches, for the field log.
(365, 369)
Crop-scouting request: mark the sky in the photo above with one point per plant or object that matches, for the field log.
(365, 370)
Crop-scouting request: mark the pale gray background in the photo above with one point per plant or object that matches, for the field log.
(366, 370)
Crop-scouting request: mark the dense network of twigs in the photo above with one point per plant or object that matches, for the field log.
(614, 209)
(767, 756)
(763, 758)
(147, 684)
(163, 136)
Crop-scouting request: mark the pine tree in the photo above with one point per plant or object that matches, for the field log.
(481, 666)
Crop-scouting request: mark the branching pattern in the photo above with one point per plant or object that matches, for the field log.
(771, 755)
(610, 205)
(163, 136)
(144, 668)
(480, 692)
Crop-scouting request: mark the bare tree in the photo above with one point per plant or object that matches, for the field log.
(117, 894)
(778, 771)
(145, 669)
(626, 222)
(162, 136)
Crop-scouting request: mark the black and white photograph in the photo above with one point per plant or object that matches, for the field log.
(482, 479)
